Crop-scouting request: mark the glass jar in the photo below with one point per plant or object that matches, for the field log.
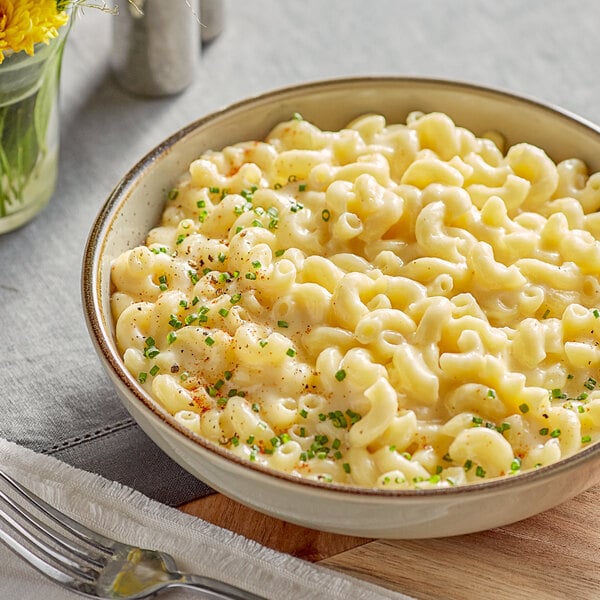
(29, 130)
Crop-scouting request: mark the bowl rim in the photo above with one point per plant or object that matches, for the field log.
(103, 338)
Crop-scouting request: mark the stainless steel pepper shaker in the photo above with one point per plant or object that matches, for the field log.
(156, 45)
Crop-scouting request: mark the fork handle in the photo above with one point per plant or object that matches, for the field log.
(213, 588)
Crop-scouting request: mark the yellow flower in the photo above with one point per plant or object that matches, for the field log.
(24, 23)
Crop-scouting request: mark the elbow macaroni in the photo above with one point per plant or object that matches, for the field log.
(396, 306)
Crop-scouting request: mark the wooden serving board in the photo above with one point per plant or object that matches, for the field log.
(552, 556)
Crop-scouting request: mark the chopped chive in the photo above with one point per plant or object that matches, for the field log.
(180, 238)
(175, 322)
(524, 408)
(304, 413)
(154, 370)
(491, 394)
(586, 439)
(291, 352)
(354, 416)
(346, 467)
(596, 313)
(338, 419)
(262, 343)
(590, 383)
(283, 324)
(171, 337)
(447, 457)
(279, 252)
(142, 377)
(480, 471)
(235, 440)
(516, 464)
(150, 342)
(297, 117)
(193, 275)
(546, 313)
(340, 375)
(255, 407)
(555, 433)
(223, 312)
(173, 194)
(468, 464)
(251, 276)
(477, 420)
(209, 341)
(151, 352)
(302, 187)
(214, 190)
(544, 431)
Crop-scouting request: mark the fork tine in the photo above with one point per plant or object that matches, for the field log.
(64, 562)
(77, 529)
(35, 561)
(57, 537)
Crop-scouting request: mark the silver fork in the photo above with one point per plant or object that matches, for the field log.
(89, 563)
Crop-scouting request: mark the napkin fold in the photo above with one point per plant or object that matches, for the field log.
(127, 515)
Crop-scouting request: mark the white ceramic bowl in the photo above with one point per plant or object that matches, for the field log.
(135, 207)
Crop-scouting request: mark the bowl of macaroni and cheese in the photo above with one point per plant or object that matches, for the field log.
(369, 306)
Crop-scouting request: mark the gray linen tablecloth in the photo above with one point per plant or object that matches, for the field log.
(54, 395)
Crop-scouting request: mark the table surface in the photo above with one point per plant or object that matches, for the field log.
(554, 555)
(545, 49)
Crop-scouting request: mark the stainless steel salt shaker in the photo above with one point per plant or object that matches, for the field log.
(156, 45)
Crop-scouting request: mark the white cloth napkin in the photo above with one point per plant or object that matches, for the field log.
(120, 512)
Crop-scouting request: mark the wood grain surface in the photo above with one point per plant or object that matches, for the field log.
(552, 556)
